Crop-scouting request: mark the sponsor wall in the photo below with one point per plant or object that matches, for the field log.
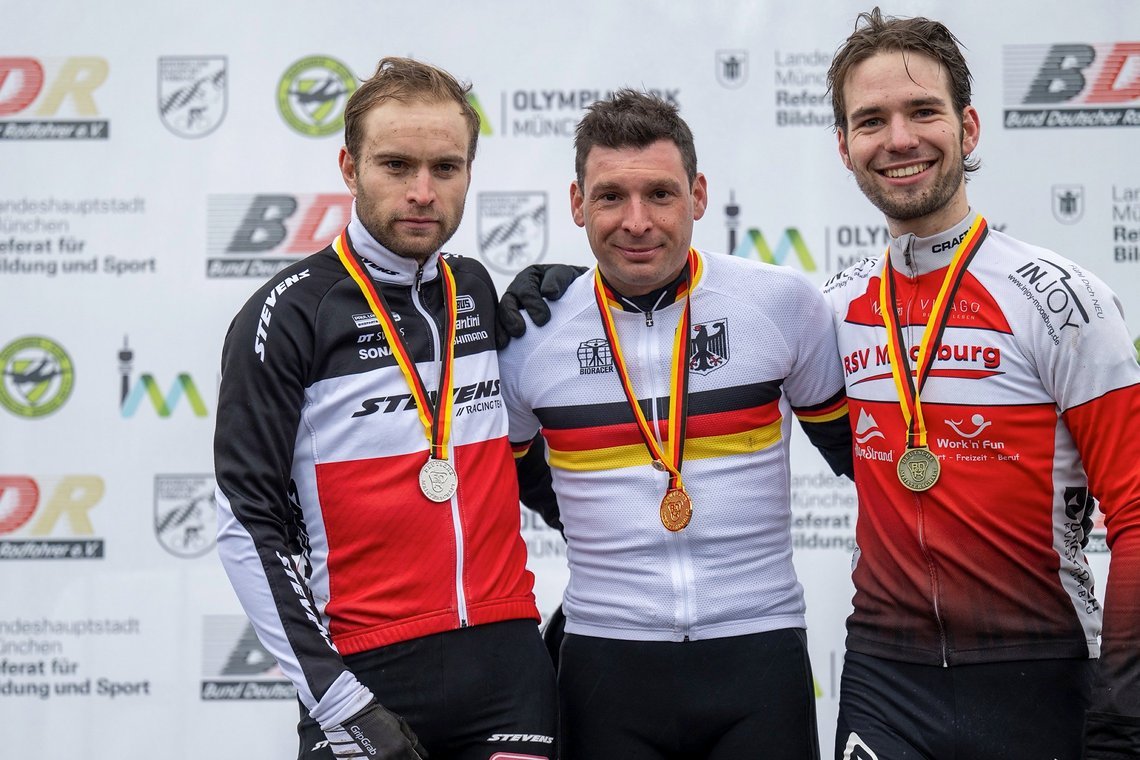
(149, 183)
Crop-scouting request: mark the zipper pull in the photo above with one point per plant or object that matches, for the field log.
(649, 318)
(419, 276)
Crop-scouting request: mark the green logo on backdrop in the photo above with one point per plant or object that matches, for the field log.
(312, 94)
(38, 376)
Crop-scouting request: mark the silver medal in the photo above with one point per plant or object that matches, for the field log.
(438, 480)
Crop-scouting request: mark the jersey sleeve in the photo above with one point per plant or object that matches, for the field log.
(266, 358)
(815, 386)
(1095, 378)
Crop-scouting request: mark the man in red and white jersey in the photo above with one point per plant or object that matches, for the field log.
(990, 385)
(368, 508)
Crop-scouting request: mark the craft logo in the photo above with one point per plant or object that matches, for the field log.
(132, 395)
(34, 93)
(38, 376)
(312, 94)
(1072, 85)
(732, 68)
(594, 357)
(185, 516)
(259, 235)
(753, 245)
(66, 510)
(1068, 203)
(192, 94)
(708, 346)
(235, 666)
(512, 229)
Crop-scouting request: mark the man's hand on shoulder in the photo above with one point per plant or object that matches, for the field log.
(530, 290)
(375, 734)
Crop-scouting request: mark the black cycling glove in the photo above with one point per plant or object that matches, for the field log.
(375, 734)
(530, 290)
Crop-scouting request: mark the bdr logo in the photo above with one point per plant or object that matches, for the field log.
(246, 230)
(49, 84)
(1072, 85)
(72, 498)
(130, 397)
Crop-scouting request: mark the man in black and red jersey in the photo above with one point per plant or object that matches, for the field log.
(368, 509)
(991, 384)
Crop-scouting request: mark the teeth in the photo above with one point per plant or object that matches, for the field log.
(908, 171)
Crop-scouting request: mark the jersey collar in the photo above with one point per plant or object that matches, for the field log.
(384, 265)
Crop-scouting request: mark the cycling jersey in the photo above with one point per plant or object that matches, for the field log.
(762, 345)
(317, 454)
(1029, 406)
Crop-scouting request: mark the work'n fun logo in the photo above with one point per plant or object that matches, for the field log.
(131, 395)
(312, 94)
(1068, 203)
(192, 94)
(753, 245)
(512, 229)
(1072, 85)
(35, 93)
(38, 376)
(708, 346)
(732, 68)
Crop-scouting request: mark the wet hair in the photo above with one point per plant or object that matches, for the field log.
(875, 33)
(632, 119)
(406, 80)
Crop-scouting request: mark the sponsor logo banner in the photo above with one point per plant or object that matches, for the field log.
(38, 376)
(512, 230)
(52, 98)
(1068, 85)
(235, 666)
(312, 94)
(185, 514)
(48, 518)
(192, 94)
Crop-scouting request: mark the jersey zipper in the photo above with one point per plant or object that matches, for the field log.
(681, 566)
(931, 568)
(456, 523)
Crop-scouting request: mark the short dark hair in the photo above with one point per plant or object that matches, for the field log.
(875, 33)
(632, 119)
(404, 79)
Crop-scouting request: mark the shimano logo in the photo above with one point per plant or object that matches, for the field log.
(536, 738)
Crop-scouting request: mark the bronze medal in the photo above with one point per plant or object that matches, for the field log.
(919, 469)
(676, 509)
(438, 480)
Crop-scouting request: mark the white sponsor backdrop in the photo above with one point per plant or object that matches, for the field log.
(119, 634)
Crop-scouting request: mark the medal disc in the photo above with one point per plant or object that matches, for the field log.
(438, 480)
(676, 509)
(919, 469)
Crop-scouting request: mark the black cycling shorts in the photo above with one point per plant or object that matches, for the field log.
(1021, 710)
(715, 699)
(481, 693)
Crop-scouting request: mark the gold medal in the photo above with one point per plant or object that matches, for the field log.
(919, 469)
(676, 509)
(438, 480)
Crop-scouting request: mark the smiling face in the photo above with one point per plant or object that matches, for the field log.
(905, 143)
(411, 174)
(638, 209)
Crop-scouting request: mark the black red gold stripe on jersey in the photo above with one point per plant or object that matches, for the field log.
(435, 417)
(908, 383)
(833, 409)
(723, 422)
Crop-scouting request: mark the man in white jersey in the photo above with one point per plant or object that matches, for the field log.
(991, 385)
(664, 386)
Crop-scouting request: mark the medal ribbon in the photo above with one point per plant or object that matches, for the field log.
(908, 386)
(674, 450)
(436, 418)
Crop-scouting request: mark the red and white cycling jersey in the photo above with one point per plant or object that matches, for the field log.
(1030, 407)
